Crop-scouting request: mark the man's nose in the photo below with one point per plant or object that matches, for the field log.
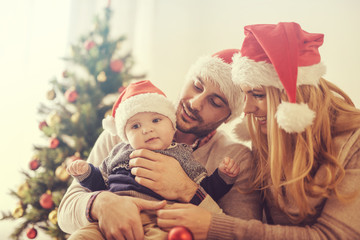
(197, 102)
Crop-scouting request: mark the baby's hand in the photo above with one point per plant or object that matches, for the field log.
(229, 167)
(77, 167)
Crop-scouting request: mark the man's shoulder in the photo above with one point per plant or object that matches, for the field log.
(223, 140)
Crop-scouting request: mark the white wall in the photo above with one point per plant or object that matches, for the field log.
(184, 30)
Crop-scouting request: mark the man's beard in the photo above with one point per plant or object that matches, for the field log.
(199, 129)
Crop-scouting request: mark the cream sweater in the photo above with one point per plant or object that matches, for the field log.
(71, 212)
(334, 219)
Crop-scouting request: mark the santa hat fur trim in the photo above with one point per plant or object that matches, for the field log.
(246, 71)
(215, 69)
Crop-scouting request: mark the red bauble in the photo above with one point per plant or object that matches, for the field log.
(34, 164)
(42, 124)
(46, 200)
(89, 44)
(180, 233)
(54, 142)
(65, 74)
(31, 233)
(71, 95)
(116, 65)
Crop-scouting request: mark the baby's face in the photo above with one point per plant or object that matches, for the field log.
(149, 130)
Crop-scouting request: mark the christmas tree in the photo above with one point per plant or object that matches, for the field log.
(97, 71)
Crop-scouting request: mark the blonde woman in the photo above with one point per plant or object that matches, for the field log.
(305, 134)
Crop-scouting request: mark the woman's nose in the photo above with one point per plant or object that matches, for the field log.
(249, 106)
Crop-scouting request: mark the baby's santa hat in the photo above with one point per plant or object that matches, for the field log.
(217, 69)
(283, 56)
(140, 96)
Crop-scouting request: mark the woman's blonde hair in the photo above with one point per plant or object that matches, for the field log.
(290, 161)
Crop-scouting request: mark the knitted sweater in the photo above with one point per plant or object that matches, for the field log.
(333, 220)
(71, 212)
(114, 173)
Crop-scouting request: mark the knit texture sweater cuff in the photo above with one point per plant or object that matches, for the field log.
(221, 227)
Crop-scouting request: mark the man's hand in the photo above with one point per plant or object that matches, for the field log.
(162, 174)
(119, 216)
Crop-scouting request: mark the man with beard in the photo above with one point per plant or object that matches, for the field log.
(209, 98)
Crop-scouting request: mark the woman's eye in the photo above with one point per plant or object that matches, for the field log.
(259, 96)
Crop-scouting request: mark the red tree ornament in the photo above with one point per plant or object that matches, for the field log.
(89, 44)
(31, 233)
(54, 142)
(71, 95)
(46, 201)
(34, 164)
(180, 233)
(42, 124)
(65, 74)
(116, 65)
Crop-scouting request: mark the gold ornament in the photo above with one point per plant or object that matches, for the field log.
(53, 118)
(61, 173)
(75, 117)
(23, 189)
(51, 94)
(53, 216)
(101, 77)
(108, 113)
(18, 211)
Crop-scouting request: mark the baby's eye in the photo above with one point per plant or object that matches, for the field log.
(135, 126)
(156, 120)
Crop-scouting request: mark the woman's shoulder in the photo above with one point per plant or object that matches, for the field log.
(348, 147)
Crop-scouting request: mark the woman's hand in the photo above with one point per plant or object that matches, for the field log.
(119, 216)
(195, 218)
(162, 174)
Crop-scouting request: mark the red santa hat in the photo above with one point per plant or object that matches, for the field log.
(140, 96)
(283, 56)
(217, 69)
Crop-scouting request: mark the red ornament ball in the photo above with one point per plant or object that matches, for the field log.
(42, 124)
(89, 44)
(71, 95)
(54, 142)
(65, 74)
(46, 201)
(31, 233)
(180, 233)
(34, 164)
(116, 65)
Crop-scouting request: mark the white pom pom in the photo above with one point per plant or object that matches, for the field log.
(294, 117)
(241, 131)
(108, 124)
